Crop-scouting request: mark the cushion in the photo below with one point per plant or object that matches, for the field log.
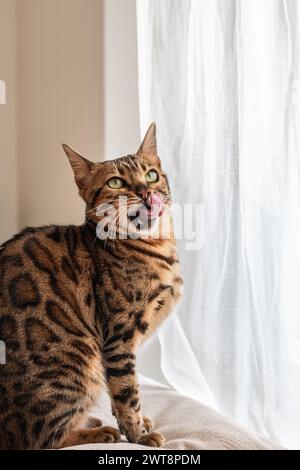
(185, 423)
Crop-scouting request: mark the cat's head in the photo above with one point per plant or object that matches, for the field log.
(137, 180)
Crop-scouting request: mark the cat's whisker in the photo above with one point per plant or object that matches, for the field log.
(109, 219)
(111, 229)
(91, 210)
(109, 202)
(98, 210)
(111, 232)
(85, 224)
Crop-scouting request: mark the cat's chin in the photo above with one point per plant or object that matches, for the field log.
(139, 227)
(142, 227)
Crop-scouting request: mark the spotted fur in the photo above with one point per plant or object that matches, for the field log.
(74, 310)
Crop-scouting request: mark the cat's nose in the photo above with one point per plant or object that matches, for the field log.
(146, 196)
(144, 193)
(147, 201)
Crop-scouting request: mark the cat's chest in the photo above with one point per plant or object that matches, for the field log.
(140, 291)
(162, 295)
(143, 291)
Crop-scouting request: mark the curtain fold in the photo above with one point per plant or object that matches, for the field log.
(222, 81)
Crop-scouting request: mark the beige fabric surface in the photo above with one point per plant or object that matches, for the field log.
(185, 423)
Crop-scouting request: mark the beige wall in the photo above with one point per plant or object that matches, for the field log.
(121, 124)
(8, 130)
(76, 82)
(60, 100)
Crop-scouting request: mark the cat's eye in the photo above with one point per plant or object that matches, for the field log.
(151, 176)
(115, 183)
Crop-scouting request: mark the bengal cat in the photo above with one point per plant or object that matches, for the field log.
(74, 308)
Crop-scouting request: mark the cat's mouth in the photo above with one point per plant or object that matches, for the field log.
(145, 214)
(141, 218)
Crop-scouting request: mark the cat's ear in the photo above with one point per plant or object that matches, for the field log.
(149, 144)
(80, 165)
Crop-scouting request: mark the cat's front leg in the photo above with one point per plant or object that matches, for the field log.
(148, 423)
(119, 364)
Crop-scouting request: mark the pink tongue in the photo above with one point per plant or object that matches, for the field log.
(157, 206)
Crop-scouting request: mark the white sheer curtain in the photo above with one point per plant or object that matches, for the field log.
(222, 81)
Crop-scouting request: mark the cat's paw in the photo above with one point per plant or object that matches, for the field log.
(148, 424)
(134, 427)
(153, 439)
(94, 422)
(106, 434)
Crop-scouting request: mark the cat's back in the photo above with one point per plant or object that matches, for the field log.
(45, 302)
(41, 270)
(31, 261)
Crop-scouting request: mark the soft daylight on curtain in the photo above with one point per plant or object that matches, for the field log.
(222, 81)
